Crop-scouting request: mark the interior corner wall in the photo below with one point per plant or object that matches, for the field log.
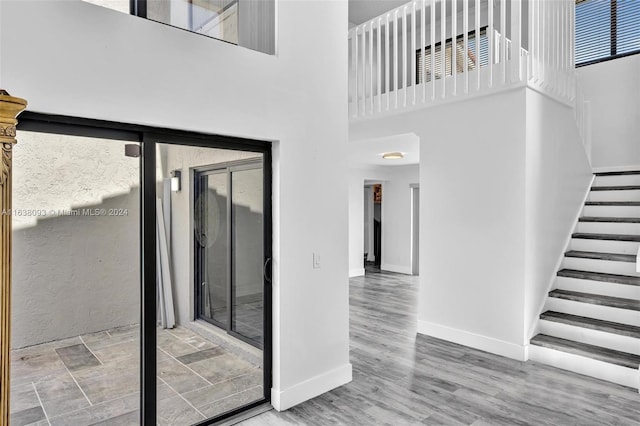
(190, 82)
(613, 88)
(396, 216)
(558, 177)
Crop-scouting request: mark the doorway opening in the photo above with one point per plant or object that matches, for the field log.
(372, 226)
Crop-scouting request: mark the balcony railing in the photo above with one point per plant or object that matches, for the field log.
(432, 51)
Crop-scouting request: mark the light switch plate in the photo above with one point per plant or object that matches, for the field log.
(316, 261)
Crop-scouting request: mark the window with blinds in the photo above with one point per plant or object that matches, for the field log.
(606, 29)
(471, 60)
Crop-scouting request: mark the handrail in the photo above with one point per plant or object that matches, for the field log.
(397, 60)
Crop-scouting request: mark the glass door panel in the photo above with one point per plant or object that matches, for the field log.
(212, 237)
(248, 247)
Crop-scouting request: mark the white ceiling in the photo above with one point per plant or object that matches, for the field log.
(369, 152)
(363, 10)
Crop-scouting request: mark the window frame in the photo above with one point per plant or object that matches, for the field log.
(613, 38)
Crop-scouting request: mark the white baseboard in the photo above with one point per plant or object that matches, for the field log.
(310, 388)
(477, 341)
(396, 268)
(356, 272)
(615, 169)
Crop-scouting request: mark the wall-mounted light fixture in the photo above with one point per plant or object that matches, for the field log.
(176, 177)
(393, 155)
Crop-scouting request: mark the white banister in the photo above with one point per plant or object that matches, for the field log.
(423, 45)
(413, 49)
(432, 53)
(427, 46)
(454, 56)
(443, 47)
(477, 44)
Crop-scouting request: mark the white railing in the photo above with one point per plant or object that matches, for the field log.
(397, 60)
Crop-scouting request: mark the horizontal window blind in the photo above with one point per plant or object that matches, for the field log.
(470, 56)
(605, 29)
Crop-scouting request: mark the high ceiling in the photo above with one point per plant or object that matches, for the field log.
(363, 10)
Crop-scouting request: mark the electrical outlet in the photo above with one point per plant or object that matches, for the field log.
(316, 261)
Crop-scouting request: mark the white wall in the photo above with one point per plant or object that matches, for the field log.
(83, 60)
(558, 177)
(73, 273)
(396, 216)
(613, 88)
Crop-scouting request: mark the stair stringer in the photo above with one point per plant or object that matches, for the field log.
(535, 326)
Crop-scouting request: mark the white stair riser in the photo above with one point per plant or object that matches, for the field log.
(598, 265)
(606, 313)
(622, 180)
(589, 336)
(609, 228)
(611, 211)
(598, 287)
(625, 195)
(589, 367)
(604, 246)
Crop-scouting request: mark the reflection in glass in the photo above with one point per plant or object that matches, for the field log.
(247, 280)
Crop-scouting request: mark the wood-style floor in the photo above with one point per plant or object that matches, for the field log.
(403, 379)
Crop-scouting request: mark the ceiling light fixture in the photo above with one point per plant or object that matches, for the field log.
(393, 155)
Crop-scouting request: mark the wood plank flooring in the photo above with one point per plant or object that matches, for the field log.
(403, 379)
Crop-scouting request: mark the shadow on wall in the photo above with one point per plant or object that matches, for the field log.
(77, 272)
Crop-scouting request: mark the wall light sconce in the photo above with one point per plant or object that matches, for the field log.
(176, 177)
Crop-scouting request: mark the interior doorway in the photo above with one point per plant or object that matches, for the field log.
(372, 225)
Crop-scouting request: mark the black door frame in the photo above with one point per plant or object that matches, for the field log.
(148, 137)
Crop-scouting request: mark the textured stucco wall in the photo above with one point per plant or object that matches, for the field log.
(73, 274)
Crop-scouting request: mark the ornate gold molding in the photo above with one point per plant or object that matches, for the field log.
(10, 107)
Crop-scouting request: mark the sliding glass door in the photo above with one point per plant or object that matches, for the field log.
(229, 223)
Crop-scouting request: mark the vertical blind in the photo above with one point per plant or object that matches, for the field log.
(606, 28)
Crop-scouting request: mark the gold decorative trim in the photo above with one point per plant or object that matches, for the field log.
(10, 107)
(8, 131)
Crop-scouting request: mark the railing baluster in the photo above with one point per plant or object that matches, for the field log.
(387, 58)
(379, 65)
(364, 70)
(530, 38)
(423, 40)
(353, 76)
(516, 39)
(396, 79)
(465, 44)
(432, 70)
(443, 46)
(503, 40)
(477, 43)
(404, 54)
(454, 46)
(371, 100)
(413, 50)
(492, 53)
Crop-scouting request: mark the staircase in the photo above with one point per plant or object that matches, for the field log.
(591, 321)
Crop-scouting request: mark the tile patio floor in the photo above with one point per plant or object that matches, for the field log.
(94, 380)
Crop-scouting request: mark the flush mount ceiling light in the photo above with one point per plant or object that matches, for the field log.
(393, 155)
